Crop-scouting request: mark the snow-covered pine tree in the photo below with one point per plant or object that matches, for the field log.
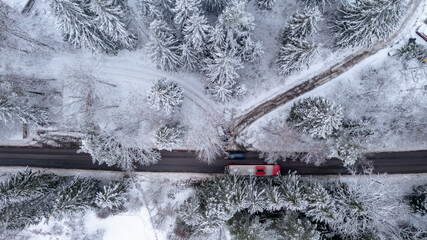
(169, 136)
(267, 4)
(348, 150)
(189, 59)
(223, 68)
(217, 38)
(222, 72)
(165, 95)
(418, 199)
(248, 227)
(105, 149)
(216, 5)
(112, 196)
(317, 3)
(23, 114)
(149, 10)
(78, 27)
(303, 23)
(294, 228)
(361, 22)
(163, 47)
(26, 185)
(16, 104)
(316, 116)
(238, 26)
(109, 17)
(77, 196)
(222, 91)
(295, 55)
(196, 32)
(183, 10)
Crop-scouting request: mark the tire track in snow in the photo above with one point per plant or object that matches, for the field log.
(144, 74)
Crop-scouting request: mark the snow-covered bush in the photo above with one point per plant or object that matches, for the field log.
(361, 22)
(106, 149)
(316, 116)
(163, 46)
(169, 136)
(294, 56)
(165, 95)
(112, 196)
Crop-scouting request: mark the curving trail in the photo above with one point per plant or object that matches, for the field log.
(240, 123)
(131, 72)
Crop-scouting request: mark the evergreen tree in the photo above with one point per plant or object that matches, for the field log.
(267, 4)
(165, 95)
(362, 22)
(418, 199)
(112, 196)
(24, 114)
(251, 228)
(317, 3)
(169, 136)
(295, 55)
(105, 149)
(25, 185)
(237, 25)
(294, 228)
(77, 196)
(216, 5)
(18, 104)
(189, 57)
(222, 69)
(163, 47)
(77, 26)
(412, 51)
(317, 116)
(183, 10)
(303, 24)
(196, 32)
(109, 19)
(222, 91)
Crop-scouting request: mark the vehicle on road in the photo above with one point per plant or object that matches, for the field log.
(254, 170)
(234, 155)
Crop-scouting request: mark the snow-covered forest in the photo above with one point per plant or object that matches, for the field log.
(53, 204)
(125, 80)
